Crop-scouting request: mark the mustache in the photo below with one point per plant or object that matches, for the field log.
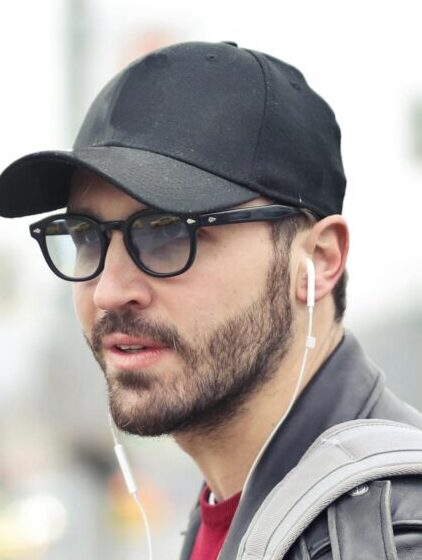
(134, 324)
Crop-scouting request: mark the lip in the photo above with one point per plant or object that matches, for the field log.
(119, 339)
(118, 360)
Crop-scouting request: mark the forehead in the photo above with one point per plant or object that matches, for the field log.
(91, 194)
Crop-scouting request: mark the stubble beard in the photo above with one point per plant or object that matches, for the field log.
(221, 372)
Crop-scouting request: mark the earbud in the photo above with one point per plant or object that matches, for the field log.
(310, 268)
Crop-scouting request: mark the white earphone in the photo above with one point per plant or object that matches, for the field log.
(123, 461)
(310, 268)
(309, 344)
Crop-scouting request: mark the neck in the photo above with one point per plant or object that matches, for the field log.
(225, 456)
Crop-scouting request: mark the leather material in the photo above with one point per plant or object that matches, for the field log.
(347, 386)
(190, 534)
(360, 525)
(344, 459)
(406, 522)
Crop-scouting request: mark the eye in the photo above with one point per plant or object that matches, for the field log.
(206, 234)
(83, 233)
(168, 227)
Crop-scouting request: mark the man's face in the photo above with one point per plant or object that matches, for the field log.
(184, 353)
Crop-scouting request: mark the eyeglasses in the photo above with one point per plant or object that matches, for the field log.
(161, 244)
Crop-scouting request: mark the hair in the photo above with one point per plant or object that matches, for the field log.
(286, 231)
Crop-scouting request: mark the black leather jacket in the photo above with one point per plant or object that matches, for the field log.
(347, 386)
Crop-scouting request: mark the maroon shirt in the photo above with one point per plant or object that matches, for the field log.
(215, 523)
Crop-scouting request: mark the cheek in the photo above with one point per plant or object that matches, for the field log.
(242, 273)
(84, 305)
(217, 287)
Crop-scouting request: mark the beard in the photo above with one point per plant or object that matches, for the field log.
(220, 372)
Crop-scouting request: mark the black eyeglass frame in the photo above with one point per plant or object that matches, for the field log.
(271, 212)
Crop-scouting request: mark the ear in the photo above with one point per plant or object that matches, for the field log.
(327, 244)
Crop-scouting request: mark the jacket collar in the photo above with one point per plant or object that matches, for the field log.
(346, 387)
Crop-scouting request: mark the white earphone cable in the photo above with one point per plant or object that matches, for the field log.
(130, 483)
(309, 344)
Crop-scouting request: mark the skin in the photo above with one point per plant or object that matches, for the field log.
(230, 270)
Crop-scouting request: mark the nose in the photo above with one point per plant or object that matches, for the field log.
(121, 282)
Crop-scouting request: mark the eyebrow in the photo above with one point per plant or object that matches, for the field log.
(83, 210)
(90, 213)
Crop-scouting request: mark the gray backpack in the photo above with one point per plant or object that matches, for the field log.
(352, 459)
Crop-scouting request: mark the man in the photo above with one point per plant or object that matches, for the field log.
(204, 197)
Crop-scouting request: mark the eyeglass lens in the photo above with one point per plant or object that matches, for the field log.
(161, 243)
(74, 246)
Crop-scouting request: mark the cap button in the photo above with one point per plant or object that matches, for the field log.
(232, 43)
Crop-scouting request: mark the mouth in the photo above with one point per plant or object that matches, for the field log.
(126, 353)
(129, 349)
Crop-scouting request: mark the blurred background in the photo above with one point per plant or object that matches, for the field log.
(61, 496)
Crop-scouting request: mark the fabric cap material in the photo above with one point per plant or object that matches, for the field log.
(196, 127)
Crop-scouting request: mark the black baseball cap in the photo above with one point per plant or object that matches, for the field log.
(196, 127)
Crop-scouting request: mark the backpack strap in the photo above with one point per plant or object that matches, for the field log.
(341, 459)
(303, 549)
(359, 524)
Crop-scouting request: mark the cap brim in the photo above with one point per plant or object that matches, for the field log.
(40, 182)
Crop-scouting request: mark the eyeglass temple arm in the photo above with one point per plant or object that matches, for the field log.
(257, 213)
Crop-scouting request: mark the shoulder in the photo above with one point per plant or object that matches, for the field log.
(388, 515)
(388, 520)
(390, 407)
